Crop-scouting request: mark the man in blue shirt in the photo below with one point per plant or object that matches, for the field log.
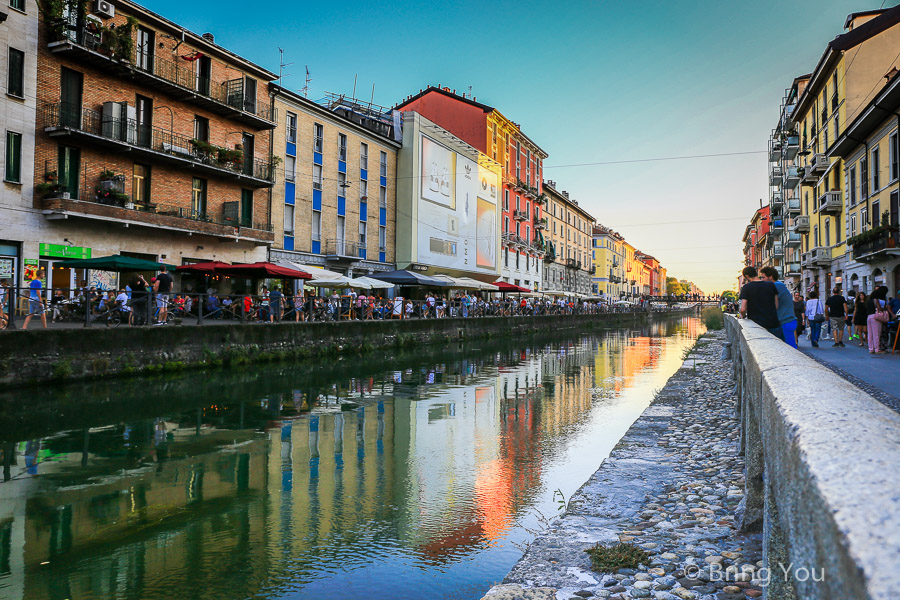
(894, 303)
(35, 302)
(785, 305)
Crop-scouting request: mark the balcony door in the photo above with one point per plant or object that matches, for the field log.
(246, 208)
(71, 85)
(146, 40)
(895, 209)
(247, 144)
(144, 114)
(250, 95)
(203, 74)
(339, 241)
(68, 166)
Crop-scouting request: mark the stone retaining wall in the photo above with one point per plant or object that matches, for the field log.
(39, 355)
(822, 462)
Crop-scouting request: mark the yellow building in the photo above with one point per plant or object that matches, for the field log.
(334, 200)
(846, 77)
(608, 255)
(870, 153)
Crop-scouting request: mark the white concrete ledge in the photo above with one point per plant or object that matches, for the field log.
(829, 459)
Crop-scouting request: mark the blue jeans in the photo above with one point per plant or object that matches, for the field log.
(789, 328)
(815, 330)
(777, 332)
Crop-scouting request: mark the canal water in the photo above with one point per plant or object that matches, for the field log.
(392, 477)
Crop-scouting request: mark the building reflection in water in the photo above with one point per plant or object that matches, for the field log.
(376, 480)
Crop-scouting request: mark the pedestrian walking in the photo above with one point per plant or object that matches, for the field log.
(162, 287)
(879, 314)
(759, 302)
(276, 305)
(799, 310)
(836, 312)
(861, 317)
(35, 301)
(785, 306)
(815, 316)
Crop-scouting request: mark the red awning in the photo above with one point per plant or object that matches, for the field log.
(203, 268)
(262, 270)
(508, 287)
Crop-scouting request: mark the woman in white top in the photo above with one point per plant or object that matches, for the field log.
(814, 307)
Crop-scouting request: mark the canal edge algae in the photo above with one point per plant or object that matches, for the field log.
(654, 492)
(32, 357)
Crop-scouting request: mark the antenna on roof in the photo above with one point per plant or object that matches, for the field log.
(305, 89)
(355, 75)
(470, 91)
(282, 65)
(372, 98)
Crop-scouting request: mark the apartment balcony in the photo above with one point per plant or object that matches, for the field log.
(793, 269)
(777, 227)
(540, 223)
(775, 149)
(807, 177)
(787, 118)
(228, 98)
(792, 177)
(76, 125)
(777, 198)
(778, 249)
(805, 260)
(508, 238)
(542, 199)
(775, 175)
(877, 245)
(344, 251)
(790, 147)
(793, 205)
(818, 164)
(801, 224)
(224, 223)
(820, 256)
(792, 239)
(571, 263)
(520, 215)
(829, 202)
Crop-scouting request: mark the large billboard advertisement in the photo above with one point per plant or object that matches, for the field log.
(457, 217)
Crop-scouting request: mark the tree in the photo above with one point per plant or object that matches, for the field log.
(674, 287)
(729, 296)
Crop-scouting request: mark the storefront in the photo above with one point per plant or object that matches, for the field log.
(9, 261)
(55, 277)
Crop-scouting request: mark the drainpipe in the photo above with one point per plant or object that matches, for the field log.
(272, 95)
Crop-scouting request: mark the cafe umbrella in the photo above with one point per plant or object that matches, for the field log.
(116, 263)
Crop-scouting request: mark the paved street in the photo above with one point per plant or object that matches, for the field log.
(881, 371)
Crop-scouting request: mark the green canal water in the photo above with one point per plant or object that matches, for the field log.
(390, 477)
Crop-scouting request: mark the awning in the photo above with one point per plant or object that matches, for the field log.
(478, 285)
(262, 270)
(202, 268)
(404, 277)
(503, 286)
(368, 283)
(116, 262)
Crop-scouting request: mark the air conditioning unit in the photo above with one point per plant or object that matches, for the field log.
(105, 8)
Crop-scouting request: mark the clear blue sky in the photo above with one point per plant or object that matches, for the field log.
(588, 81)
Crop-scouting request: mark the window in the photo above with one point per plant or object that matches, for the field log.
(341, 222)
(864, 219)
(13, 157)
(362, 233)
(15, 84)
(505, 199)
(505, 224)
(853, 224)
(140, 184)
(894, 152)
(518, 200)
(876, 214)
(382, 238)
(363, 190)
(146, 43)
(342, 184)
(317, 177)
(318, 134)
(875, 169)
(290, 168)
(288, 219)
(342, 147)
(201, 128)
(506, 257)
(518, 161)
(316, 226)
(198, 198)
(17, 4)
(364, 156)
(382, 164)
(291, 126)
(863, 178)
(382, 197)
(827, 232)
(851, 196)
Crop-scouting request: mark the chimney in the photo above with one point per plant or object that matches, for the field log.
(566, 194)
(209, 37)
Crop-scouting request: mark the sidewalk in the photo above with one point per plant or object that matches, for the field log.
(879, 371)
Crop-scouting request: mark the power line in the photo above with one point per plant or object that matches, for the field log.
(659, 159)
(744, 218)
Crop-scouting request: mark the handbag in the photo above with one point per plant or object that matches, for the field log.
(819, 317)
(881, 315)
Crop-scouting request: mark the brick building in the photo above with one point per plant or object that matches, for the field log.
(502, 140)
(334, 202)
(151, 140)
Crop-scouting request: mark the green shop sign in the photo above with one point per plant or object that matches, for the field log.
(63, 251)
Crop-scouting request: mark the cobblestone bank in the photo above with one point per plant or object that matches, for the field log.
(671, 486)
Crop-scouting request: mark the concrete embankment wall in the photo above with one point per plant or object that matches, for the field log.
(822, 464)
(70, 354)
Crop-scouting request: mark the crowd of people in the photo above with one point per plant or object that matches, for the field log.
(868, 319)
(140, 302)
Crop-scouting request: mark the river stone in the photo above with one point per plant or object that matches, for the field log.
(517, 592)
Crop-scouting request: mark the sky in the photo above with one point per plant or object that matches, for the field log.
(590, 82)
